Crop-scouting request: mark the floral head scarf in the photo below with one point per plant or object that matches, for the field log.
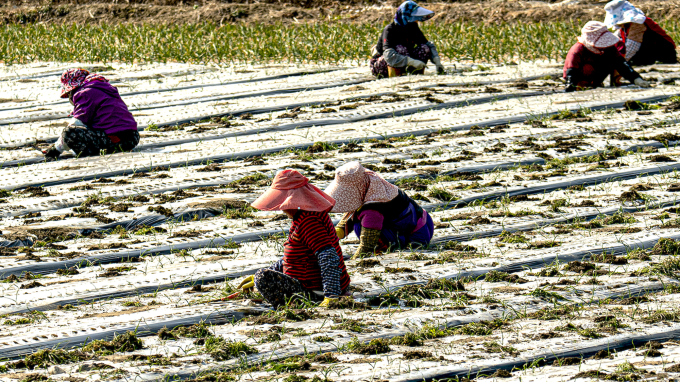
(595, 36)
(410, 12)
(622, 12)
(355, 186)
(74, 78)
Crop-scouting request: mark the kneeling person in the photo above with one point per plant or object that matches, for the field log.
(594, 57)
(402, 47)
(101, 120)
(380, 214)
(312, 265)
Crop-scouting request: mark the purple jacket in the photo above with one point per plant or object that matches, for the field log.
(98, 105)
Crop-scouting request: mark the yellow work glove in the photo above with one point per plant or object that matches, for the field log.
(326, 301)
(340, 232)
(247, 284)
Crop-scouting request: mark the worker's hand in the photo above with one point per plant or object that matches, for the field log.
(51, 153)
(641, 83)
(340, 232)
(415, 64)
(438, 63)
(326, 301)
(247, 284)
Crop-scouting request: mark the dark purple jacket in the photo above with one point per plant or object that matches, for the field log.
(98, 105)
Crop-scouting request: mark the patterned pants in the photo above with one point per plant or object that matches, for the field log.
(278, 288)
(420, 52)
(90, 142)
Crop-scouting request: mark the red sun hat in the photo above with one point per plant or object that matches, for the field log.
(291, 190)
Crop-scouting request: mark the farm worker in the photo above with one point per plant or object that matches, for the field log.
(643, 42)
(402, 48)
(312, 264)
(380, 214)
(101, 121)
(594, 57)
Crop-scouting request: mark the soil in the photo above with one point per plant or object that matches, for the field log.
(220, 204)
(271, 12)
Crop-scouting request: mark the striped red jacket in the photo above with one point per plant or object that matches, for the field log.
(309, 233)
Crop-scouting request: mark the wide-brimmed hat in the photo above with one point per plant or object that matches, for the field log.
(355, 186)
(596, 35)
(410, 12)
(291, 190)
(622, 12)
(75, 78)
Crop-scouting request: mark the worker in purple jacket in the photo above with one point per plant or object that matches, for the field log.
(101, 121)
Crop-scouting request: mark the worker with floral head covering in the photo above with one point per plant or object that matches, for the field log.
(380, 214)
(594, 57)
(402, 48)
(643, 41)
(312, 265)
(101, 121)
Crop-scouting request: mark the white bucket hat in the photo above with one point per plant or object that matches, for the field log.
(622, 12)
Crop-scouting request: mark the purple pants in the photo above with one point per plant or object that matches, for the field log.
(390, 236)
(420, 52)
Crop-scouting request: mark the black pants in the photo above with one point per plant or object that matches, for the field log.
(91, 142)
(278, 288)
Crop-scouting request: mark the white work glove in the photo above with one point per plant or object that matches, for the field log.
(641, 83)
(416, 64)
(374, 51)
(438, 63)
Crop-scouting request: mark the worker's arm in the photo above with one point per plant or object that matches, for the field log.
(435, 58)
(369, 240)
(329, 262)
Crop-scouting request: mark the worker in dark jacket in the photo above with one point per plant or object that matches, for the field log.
(594, 57)
(312, 265)
(402, 48)
(101, 121)
(378, 212)
(643, 41)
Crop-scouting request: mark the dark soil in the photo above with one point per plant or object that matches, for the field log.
(629, 196)
(67, 272)
(501, 374)
(271, 12)
(32, 284)
(417, 354)
(602, 354)
(325, 358)
(368, 263)
(36, 192)
(347, 303)
(568, 361)
(188, 234)
(579, 267)
(661, 158)
(633, 300)
(220, 204)
(121, 207)
(210, 168)
(161, 210)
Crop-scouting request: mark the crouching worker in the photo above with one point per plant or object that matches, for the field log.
(643, 42)
(594, 57)
(312, 265)
(378, 212)
(402, 48)
(101, 121)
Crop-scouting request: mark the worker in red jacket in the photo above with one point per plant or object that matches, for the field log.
(594, 57)
(643, 42)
